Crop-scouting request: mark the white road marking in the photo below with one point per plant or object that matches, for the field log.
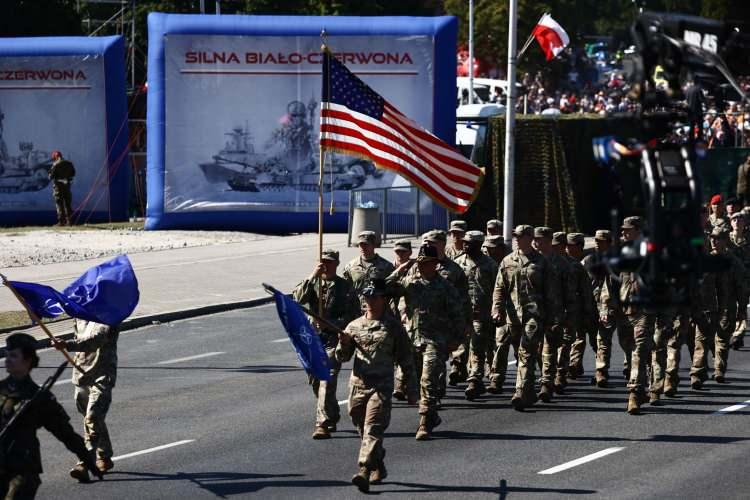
(63, 382)
(730, 409)
(151, 450)
(512, 362)
(190, 358)
(580, 461)
(279, 341)
(343, 402)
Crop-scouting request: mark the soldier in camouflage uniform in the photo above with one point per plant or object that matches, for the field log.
(20, 457)
(524, 298)
(494, 228)
(381, 342)
(569, 321)
(494, 247)
(436, 323)
(733, 280)
(481, 272)
(585, 310)
(740, 247)
(61, 174)
(340, 306)
(456, 231)
(451, 271)
(95, 348)
(605, 293)
(552, 337)
(369, 265)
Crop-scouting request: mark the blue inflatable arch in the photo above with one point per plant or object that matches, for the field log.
(169, 30)
(65, 93)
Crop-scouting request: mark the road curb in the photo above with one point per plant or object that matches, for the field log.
(158, 318)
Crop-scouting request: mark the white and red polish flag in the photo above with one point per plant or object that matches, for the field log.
(551, 36)
(356, 120)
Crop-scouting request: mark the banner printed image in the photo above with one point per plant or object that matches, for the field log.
(25, 171)
(250, 141)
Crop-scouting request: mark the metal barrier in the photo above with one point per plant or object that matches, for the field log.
(404, 211)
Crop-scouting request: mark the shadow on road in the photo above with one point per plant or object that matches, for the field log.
(502, 490)
(226, 484)
(237, 369)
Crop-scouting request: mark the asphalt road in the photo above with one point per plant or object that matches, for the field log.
(217, 407)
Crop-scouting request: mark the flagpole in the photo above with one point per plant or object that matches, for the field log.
(529, 40)
(321, 167)
(471, 51)
(510, 124)
(36, 319)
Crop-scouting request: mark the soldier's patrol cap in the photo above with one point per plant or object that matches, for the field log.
(633, 222)
(402, 245)
(494, 223)
(374, 287)
(603, 235)
(427, 253)
(493, 241)
(737, 215)
(720, 232)
(576, 239)
(26, 343)
(523, 230)
(330, 254)
(543, 232)
(366, 237)
(458, 225)
(434, 235)
(474, 236)
(560, 238)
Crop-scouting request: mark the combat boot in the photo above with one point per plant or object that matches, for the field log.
(104, 464)
(80, 473)
(696, 384)
(423, 432)
(475, 389)
(634, 404)
(380, 472)
(399, 395)
(600, 379)
(669, 390)
(362, 480)
(495, 387)
(321, 432)
(559, 385)
(738, 342)
(545, 394)
(454, 377)
(517, 401)
(653, 398)
(719, 378)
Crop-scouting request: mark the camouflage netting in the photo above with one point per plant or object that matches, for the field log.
(557, 181)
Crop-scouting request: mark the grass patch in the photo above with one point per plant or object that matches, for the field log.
(19, 320)
(104, 226)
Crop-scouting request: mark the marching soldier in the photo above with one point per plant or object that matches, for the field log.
(95, 348)
(20, 457)
(381, 342)
(494, 227)
(437, 321)
(369, 265)
(340, 306)
(405, 387)
(524, 298)
(481, 272)
(61, 174)
(456, 231)
(585, 308)
(740, 247)
(605, 295)
(494, 247)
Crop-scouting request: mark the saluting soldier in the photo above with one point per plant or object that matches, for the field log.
(456, 230)
(436, 322)
(340, 306)
(20, 457)
(524, 298)
(95, 348)
(740, 247)
(369, 265)
(481, 273)
(605, 293)
(381, 342)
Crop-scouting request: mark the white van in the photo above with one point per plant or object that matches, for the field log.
(471, 128)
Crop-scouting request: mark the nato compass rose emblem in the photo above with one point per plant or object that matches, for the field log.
(306, 335)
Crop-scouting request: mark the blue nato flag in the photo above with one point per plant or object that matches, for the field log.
(303, 336)
(107, 293)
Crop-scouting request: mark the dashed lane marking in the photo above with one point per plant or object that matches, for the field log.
(582, 460)
(155, 448)
(279, 341)
(733, 408)
(190, 358)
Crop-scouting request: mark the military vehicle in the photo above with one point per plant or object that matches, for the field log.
(25, 172)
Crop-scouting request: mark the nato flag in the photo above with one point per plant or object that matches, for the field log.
(305, 339)
(107, 293)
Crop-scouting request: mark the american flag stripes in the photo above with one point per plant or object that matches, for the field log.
(356, 120)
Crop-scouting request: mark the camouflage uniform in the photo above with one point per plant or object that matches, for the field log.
(380, 345)
(20, 457)
(740, 247)
(711, 304)
(95, 348)
(481, 274)
(525, 293)
(436, 319)
(340, 306)
(61, 173)
(635, 332)
(581, 319)
(358, 272)
(456, 226)
(734, 281)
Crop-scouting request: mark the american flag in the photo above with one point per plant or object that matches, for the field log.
(356, 120)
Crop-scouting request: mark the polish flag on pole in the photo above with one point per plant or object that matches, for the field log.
(551, 36)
